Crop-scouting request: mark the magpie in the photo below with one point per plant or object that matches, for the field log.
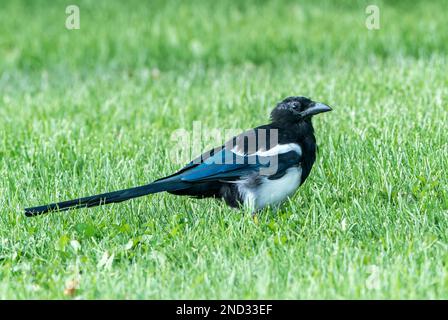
(258, 168)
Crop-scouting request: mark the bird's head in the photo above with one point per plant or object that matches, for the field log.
(295, 109)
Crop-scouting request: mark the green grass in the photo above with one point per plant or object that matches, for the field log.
(83, 112)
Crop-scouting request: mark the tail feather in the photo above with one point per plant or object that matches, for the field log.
(106, 198)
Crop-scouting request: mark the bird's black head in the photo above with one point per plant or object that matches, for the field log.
(295, 109)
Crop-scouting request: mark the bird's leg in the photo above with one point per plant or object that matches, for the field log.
(255, 216)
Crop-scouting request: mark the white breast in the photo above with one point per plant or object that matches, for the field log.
(271, 192)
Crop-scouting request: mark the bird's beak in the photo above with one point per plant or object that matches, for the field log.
(314, 109)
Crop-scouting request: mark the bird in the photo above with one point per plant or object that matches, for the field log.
(261, 167)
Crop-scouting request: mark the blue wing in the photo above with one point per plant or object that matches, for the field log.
(226, 165)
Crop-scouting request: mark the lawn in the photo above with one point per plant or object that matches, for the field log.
(93, 110)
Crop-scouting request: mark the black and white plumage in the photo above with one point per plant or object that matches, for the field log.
(258, 168)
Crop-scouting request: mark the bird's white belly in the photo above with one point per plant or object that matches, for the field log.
(272, 192)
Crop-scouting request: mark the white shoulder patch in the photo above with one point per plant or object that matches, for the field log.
(278, 149)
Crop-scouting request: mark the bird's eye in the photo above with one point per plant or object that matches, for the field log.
(296, 105)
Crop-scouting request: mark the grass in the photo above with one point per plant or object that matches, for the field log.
(92, 110)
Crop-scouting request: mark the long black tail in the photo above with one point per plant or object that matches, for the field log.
(106, 198)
